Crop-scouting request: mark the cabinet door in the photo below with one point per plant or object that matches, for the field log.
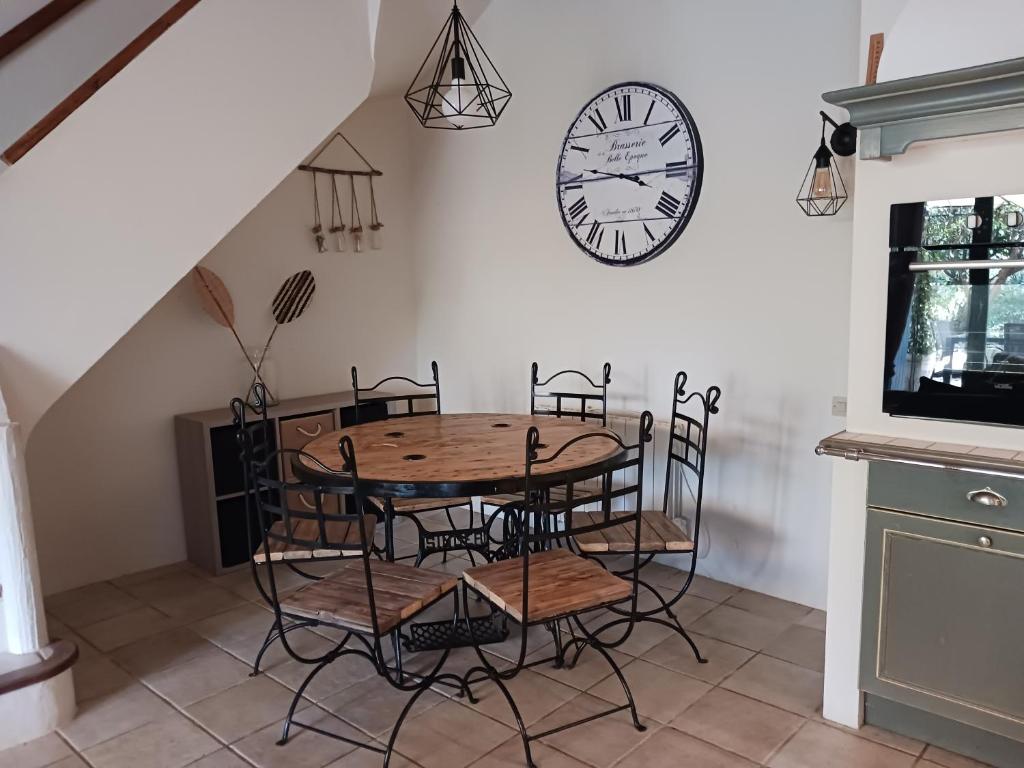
(944, 619)
(297, 431)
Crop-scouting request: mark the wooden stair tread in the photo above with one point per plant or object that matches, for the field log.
(338, 532)
(423, 505)
(561, 583)
(658, 533)
(399, 592)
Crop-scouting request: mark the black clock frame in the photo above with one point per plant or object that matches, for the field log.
(691, 202)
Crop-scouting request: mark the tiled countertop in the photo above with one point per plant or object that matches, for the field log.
(856, 446)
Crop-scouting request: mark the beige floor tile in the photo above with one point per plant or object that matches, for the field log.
(450, 736)
(374, 705)
(949, 759)
(240, 630)
(645, 635)
(222, 758)
(739, 627)
(668, 748)
(334, 678)
(656, 573)
(738, 724)
(127, 628)
(722, 658)
(105, 717)
(879, 736)
(185, 596)
(162, 571)
(535, 696)
(61, 631)
(304, 749)
(817, 745)
(769, 607)
(97, 677)
(815, 620)
(691, 607)
(600, 742)
(35, 754)
(710, 589)
(72, 761)
(243, 709)
(800, 645)
(537, 637)
(171, 742)
(152, 654)
(511, 755)
(201, 677)
(364, 758)
(660, 694)
(87, 605)
(780, 683)
(591, 667)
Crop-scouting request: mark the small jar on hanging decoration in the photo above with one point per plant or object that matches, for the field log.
(318, 230)
(356, 230)
(376, 227)
(337, 229)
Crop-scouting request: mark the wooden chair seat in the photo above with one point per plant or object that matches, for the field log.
(342, 599)
(561, 583)
(423, 505)
(658, 533)
(338, 532)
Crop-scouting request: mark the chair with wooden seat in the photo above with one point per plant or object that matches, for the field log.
(675, 527)
(540, 581)
(365, 598)
(573, 396)
(371, 404)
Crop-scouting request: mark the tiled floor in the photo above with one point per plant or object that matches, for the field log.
(163, 683)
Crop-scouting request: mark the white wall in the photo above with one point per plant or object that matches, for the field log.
(929, 171)
(752, 297)
(102, 462)
(36, 77)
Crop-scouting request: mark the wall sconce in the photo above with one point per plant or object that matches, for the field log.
(457, 86)
(823, 192)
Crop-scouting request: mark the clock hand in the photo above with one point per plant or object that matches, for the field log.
(627, 177)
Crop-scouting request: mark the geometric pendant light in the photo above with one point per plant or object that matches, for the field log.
(457, 86)
(822, 192)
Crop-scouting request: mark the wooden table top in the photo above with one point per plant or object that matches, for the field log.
(456, 454)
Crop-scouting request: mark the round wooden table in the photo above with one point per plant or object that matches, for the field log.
(460, 454)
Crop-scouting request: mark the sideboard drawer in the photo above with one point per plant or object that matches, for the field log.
(298, 431)
(949, 494)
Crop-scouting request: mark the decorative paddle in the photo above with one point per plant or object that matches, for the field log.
(290, 302)
(217, 303)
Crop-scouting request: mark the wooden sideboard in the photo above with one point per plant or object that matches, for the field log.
(210, 474)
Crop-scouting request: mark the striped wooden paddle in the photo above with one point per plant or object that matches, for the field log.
(289, 303)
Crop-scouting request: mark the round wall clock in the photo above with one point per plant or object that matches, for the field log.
(629, 173)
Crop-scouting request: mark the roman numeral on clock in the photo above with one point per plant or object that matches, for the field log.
(598, 120)
(620, 239)
(583, 150)
(578, 210)
(650, 109)
(677, 169)
(668, 135)
(595, 234)
(668, 205)
(623, 108)
(650, 235)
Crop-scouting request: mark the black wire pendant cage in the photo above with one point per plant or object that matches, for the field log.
(457, 87)
(823, 191)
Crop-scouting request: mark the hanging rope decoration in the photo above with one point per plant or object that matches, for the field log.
(356, 229)
(376, 235)
(337, 228)
(318, 230)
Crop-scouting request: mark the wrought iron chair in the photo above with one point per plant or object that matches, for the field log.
(425, 400)
(540, 581)
(570, 398)
(665, 531)
(366, 598)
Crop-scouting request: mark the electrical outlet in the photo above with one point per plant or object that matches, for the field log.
(839, 405)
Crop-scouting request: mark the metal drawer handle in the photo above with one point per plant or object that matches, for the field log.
(984, 541)
(987, 497)
(305, 503)
(319, 429)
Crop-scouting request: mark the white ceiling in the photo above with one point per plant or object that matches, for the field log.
(405, 32)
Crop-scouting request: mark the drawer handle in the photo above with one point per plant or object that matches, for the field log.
(984, 541)
(987, 497)
(319, 429)
(305, 503)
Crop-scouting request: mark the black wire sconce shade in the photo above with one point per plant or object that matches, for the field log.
(823, 192)
(457, 85)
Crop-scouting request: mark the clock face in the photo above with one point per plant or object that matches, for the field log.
(629, 173)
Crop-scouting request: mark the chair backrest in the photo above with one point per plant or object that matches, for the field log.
(570, 396)
(424, 400)
(687, 449)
